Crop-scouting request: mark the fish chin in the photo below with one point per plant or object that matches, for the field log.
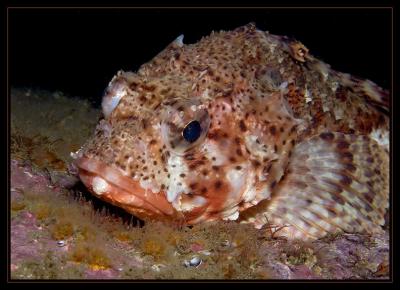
(110, 185)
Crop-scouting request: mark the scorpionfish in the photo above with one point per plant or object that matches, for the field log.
(248, 126)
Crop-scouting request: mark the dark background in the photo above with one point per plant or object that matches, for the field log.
(78, 51)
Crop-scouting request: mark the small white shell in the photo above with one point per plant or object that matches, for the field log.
(193, 262)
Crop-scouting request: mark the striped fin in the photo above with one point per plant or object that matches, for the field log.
(334, 182)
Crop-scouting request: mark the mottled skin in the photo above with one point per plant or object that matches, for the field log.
(285, 141)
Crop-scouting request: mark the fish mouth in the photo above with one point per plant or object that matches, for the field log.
(110, 185)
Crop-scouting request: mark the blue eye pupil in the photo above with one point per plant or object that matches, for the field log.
(192, 131)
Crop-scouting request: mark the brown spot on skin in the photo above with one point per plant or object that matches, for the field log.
(368, 207)
(193, 185)
(272, 130)
(238, 167)
(218, 184)
(337, 198)
(149, 88)
(182, 175)
(215, 168)
(203, 190)
(350, 167)
(213, 135)
(368, 173)
(144, 124)
(343, 145)
(347, 156)
(346, 180)
(204, 172)
(242, 126)
(273, 184)
(255, 163)
(369, 196)
(327, 136)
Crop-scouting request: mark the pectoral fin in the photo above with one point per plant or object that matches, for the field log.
(334, 182)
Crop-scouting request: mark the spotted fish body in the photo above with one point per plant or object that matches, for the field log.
(284, 140)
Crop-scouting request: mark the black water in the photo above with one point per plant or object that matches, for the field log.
(78, 51)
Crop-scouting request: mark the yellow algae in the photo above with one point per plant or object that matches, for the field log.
(62, 230)
(17, 205)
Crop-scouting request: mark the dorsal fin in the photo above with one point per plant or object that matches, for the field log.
(371, 92)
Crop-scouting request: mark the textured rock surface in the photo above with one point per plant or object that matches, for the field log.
(35, 254)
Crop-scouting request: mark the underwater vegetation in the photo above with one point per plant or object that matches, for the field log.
(60, 231)
(52, 128)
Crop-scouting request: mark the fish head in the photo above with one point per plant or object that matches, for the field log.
(165, 151)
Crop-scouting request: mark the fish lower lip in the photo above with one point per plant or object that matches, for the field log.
(109, 184)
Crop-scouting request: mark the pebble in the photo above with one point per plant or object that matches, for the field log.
(61, 243)
(157, 267)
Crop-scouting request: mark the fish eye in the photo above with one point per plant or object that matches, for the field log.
(192, 131)
(184, 125)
